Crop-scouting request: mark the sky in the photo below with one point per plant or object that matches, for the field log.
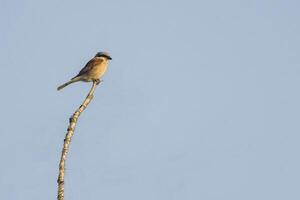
(200, 101)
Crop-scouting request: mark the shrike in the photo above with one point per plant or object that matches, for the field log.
(92, 71)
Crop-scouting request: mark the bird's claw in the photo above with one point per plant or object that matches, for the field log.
(98, 81)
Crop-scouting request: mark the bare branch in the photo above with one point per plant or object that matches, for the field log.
(70, 132)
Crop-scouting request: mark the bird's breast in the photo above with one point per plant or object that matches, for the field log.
(99, 70)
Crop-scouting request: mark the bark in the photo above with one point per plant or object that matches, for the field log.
(70, 132)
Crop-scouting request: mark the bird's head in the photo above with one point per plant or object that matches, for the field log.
(103, 55)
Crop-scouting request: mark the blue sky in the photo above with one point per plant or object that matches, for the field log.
(200, 101)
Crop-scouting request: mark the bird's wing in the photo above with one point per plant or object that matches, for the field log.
(89, 66)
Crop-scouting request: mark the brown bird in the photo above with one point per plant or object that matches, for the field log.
(92, 71)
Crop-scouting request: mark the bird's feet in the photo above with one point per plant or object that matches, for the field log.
(98, 81)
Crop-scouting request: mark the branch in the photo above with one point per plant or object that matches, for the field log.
(70, 132)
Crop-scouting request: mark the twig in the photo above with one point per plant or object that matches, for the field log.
(70, 132)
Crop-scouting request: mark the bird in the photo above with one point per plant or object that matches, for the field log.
(92, 71)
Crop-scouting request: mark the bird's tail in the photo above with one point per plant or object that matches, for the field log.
(73, 80)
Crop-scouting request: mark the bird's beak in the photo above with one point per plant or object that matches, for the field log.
(109, 58)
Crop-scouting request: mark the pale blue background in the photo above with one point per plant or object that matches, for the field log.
(201, 100)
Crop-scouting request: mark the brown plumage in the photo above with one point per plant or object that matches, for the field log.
(92, 71)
